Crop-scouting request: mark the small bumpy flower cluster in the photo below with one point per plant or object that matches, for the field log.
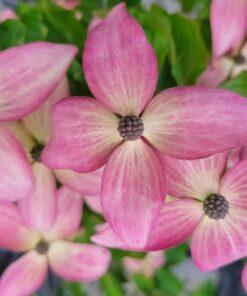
(130, 128)
(216, 206)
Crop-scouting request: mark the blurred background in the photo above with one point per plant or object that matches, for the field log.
(169, 273)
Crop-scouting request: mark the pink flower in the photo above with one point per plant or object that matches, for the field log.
(229, 30)
(34, 132)
(244, 277)
(28, 75)
(147, 265)
(7, 14)
(40, 225)
(211, 207)
(124, 129)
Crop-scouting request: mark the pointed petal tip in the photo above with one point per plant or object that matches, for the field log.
(42, 65)
(119, 63)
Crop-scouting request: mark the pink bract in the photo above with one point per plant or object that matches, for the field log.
(29, 74)
(40, 225)
(228, 25)
(15, 172)
(121, 70)
(229, 31)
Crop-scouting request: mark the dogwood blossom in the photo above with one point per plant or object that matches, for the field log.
(124, 128)
(41, 225)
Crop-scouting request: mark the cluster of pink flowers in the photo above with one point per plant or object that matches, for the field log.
(122, 152)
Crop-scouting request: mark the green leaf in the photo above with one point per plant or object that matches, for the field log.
(206, 289)
(196, 8)
(157, 29)
(63, 25)
(32, 18)
(145, 284)
(168, 282)
(177, 254)
(74, 289)
(190, 57)
(12, 33)
(238, 84)
(111, 285)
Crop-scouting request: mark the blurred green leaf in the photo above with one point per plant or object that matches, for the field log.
(238, 84)
(177, 254)
(12, 33)
(111, 285)
(190, 57)
(206, 289)
(157, 29)
(74, 289)
(63, 25)
(168, 282)
(196, 8)
(32, 18)
(145, 284)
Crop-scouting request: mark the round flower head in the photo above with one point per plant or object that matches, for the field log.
(124, 128)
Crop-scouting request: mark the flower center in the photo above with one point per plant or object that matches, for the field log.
(36, 152)
(240, 59)
(42, 247)
(130, 127)
(216, 206)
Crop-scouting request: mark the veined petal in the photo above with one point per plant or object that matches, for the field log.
(133, 191)
(217, 72)
(38, 123)
(93, 202)
(119, 64)
(194, 178)
(24, 276)
(78, 262)
(39, 209)
(69, 214)
(29, 74)
(234, 184)
(234, 156)
(84, 135)
(244, 277)
(176, 223)
(15, 171)
(22, 134)
(14, 235)
(194, 122)
(85, 183)
(105, 236)
(218, 242)
(228, 25)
